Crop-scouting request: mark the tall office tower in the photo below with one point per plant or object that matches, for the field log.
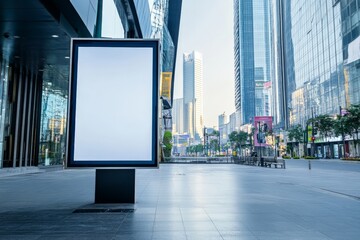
(313, 54)
(259, 98)
(263, 98)
(233, 123)
(193, 94)
(279, 99)
(267, 96)
(252, 56)
(223, 127)
(178, 115)
(223, 119)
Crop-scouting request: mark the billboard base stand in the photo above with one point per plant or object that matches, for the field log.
(106, 208)
(115, 186)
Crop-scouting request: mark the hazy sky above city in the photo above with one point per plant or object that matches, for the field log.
(207, 27)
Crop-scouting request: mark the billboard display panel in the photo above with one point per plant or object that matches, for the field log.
(165, 89)
(113, 110)
(263, 126)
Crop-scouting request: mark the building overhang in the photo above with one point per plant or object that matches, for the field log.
(129, 18)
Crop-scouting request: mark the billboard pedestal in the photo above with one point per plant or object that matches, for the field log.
(115, 186)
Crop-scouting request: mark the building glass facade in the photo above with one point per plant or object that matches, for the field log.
(53, 121)
(178, 116)
(313, 58)
(279, 98)
(54, 86)
(87, 11)
(244, 60)
(223, 126)
(52, 138)
(159, 22)
(111, 25)
(350, 16)
(252, 51)
(4, 70)
(144, 15)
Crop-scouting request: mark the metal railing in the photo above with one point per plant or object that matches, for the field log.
(199, 160)
(263, 161)
(244, 160)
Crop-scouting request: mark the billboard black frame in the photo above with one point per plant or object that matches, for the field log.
(124, 43)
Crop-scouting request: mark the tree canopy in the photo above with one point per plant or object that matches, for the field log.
(167, 141)
(324, 124)
(296, 133)
(238, 139)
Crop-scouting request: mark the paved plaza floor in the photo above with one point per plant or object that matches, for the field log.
(189, 201)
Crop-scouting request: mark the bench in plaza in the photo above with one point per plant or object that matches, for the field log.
(269, 161)
(245, 160)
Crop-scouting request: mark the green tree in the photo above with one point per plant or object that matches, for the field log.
(238, 139)
(214, 144)
(233, 140)
(242, 139)
(342, 127)
(167, 143)
(191, 149)
(324, 124)
(226, 146)
(295, 134)
(232, 136)
(353, 117)
(217, 135)
(289, 149)
(199, 149)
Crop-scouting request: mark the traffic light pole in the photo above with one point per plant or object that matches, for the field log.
(312, 134)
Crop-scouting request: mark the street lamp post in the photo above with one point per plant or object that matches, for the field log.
(219, 142)
(205, 142)
(312, 134)
(259, 138)
(275, 145)
(342, 133)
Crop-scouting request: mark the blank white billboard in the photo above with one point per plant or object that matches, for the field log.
(114, 111)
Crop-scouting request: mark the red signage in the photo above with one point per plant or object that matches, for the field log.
(263, 126)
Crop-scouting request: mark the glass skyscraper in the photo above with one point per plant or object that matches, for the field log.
(279, 98)
(313, 58)
(252, 57)
(193, 95)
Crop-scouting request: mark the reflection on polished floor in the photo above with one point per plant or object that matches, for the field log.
(219, 201)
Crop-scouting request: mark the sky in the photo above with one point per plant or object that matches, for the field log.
(207, 27)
